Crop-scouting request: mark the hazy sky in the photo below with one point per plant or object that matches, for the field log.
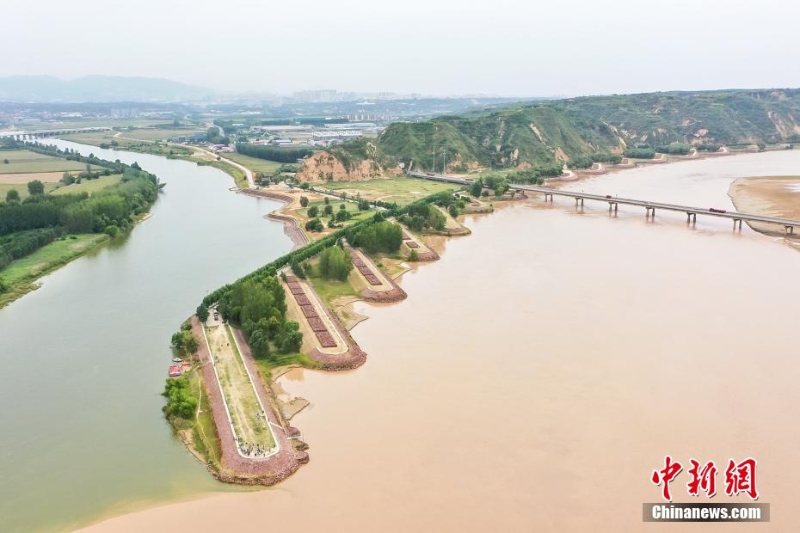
(503, 47)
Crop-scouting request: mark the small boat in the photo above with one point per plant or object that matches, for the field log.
(177, 360)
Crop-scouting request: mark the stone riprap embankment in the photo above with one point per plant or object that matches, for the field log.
(379, 286)
(424, 253)
(333, 346)
(234, 467)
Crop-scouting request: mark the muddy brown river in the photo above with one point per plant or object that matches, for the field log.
(542, 369)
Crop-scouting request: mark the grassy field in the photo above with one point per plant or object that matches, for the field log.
(238, 391)
(329, 289)
(23, 162)
(400, 190)
(22, 189)
(89, 186)
(255, 164)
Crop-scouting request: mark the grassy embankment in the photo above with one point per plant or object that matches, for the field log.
(20, 274)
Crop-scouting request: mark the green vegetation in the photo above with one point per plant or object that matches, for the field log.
(20, 273)
(259, 307)
(423, 217)
(260, 166)
(401, 191)
(273, 153)
(180, 400)
(89, 186)
(334, 263)
(596, 129)
(38, 220)
(640, 152)
(21, 161)
(183, 341)
(381, 237)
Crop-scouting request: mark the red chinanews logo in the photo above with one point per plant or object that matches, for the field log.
(739, 478)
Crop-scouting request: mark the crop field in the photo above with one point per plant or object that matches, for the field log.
(401, 190)
(23, 162)
(22, 189)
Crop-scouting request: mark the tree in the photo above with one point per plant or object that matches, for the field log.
(190, 343)
(259, 343)
(180, 401)
(453, 210)
(6, 161)
(202, 313)
(313, 211)
(334, 263)
(327, 200)
(12, 196)
(328, 209)
(413, 256)
(476, 188)
(303, 201)
(297, 268)
(35, 187)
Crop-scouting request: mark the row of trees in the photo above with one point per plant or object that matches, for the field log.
(79, 213)
(18, 245)
(110, 210)
(273, 153)
(640, 152)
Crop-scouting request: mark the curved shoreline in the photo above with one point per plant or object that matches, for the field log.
(768, 196)
(290, 225)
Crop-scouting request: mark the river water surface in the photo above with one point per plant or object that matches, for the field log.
(541, 370)
(84, 358)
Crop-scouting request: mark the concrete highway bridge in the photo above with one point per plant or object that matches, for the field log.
(614, 202)
(30, 135)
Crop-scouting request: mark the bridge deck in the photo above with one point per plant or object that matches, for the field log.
(734, 215)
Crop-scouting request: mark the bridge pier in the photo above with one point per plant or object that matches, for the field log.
(735, 221)
(576, 201)
(691, 218)
(650, 212)
(548, 194)
(789, 230)
(615, 205)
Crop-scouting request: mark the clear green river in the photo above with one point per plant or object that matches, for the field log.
(84, 358)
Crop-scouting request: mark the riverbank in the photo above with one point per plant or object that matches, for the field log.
(21, 275)
(447, 441)
(776, 196)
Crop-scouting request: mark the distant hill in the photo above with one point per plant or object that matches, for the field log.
(547, 133)
(97, 89)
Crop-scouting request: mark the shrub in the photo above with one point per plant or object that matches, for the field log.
(180, 401)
